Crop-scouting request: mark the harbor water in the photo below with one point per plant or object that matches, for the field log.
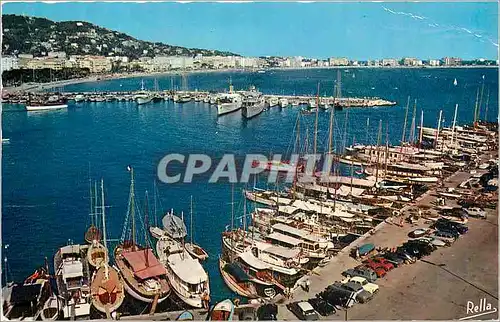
(46, 164)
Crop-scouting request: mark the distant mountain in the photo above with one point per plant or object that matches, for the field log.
(32, 35)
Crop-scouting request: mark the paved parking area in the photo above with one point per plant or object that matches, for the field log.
(437, 288)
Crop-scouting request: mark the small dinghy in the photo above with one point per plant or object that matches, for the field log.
(107, 290)
(185, 316)
(196, 251)
(222, 311)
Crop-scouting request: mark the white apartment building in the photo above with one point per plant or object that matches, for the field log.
(9, 63)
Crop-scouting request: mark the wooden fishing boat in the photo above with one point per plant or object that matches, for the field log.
(237, 280)
(196, 251)
(107, 290)
(97, 255)
(222, 311)
(144, 276)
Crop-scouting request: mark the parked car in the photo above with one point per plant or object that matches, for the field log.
(419, 232)
(451, 225)
(434, 241)
(303, 310)
(367, 286)
(267, 312)
(322, 306)
(446, 236)
(365, 272)
(405, 255)
(383, 262)
(377, 268)
(475, 212)
(339, 298)
(394, 258)
(448, 228)
(360, 294)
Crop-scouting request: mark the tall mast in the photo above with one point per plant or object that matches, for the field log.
(421, 128)
(155, 203)
(454, 122)
(232, 207)
(367, 126)
(345, 126)
(91, 200)
(316, 122)
(378, 150)
(297, 140)
(330, 132)
(406, 120)
(475, 107)
(386, 147)
(412, 130)
(95, 203)
(438, 127)
(103, 216)
(480, 101)
(146, 218)
(487, 103)
(132, 204)
(306, 150)
(191, 219)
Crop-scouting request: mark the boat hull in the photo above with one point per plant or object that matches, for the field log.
(253, 110)
(46, 107)
(143, 100)
(226, 108)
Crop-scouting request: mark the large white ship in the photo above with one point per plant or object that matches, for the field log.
(253, 104)
(228, 103)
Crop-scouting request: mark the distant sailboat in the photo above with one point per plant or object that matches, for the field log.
(455, 82)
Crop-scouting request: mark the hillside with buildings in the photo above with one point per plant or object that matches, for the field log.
(38, 36)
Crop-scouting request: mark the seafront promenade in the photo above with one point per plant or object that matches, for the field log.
(34, 87)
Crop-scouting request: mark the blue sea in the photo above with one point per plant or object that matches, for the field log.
(46, 165)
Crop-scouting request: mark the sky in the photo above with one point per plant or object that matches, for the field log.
(369, 30)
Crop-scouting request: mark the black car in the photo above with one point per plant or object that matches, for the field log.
(303, 310)
(394, 258)
(322, 307)
(449, 223)
(267, 312)
(337, 298)
(448, 228)
(422, 244)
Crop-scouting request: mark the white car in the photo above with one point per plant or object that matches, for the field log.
(367, 286)
(475, 212)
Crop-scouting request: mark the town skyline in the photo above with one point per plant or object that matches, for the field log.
(408, 30)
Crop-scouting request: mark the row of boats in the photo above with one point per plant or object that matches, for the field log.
(294, 230)
(89, 282)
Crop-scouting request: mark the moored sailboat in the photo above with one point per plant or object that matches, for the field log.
(107, 288)
(144, 276)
